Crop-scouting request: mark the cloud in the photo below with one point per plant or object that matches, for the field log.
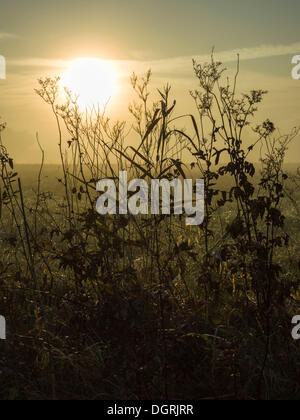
(5, 35)
(172, 65)
(39, 62)
(177, 64)
(252, 53)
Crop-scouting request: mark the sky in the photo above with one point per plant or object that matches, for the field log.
(39, 38)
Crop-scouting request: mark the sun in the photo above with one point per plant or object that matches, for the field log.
(92, 80)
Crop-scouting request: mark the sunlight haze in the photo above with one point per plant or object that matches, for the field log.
(119, 37)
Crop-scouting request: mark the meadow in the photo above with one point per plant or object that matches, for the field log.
(144, 307)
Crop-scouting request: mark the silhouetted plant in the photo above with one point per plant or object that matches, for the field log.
(140, 306)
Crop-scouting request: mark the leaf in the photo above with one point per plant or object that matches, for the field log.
(195, 127)
(170, 109)
(151, 126)
(141, 156)
(186, 136)
(218, 155)
(145, 172)
(200, 154)
(166, 170)
(178, 165)
(11, 163)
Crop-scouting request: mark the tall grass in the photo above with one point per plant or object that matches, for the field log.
(140, 307)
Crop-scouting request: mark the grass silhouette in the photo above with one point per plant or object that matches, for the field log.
(123, 307)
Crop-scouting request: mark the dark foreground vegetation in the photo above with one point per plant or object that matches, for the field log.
(123, 307)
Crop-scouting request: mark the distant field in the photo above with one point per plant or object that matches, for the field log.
(51, 174)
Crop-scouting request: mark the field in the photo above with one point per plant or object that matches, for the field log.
(144, 307)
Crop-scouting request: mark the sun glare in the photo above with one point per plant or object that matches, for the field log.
(92, 80)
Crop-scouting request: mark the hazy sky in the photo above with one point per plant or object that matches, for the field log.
(37, 38)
